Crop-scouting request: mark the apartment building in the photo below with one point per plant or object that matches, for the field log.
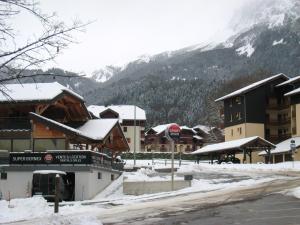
(131, 118)
(260, 109)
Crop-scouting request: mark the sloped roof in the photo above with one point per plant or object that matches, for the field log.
(95, 130)
(126, 112)
(252, 86)
(294, 92)
(232, 145)
(283, 146)
(290, 81)
(205, 129)
(33, 92)
(161, 128)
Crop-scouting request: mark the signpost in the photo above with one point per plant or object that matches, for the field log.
(172, 133)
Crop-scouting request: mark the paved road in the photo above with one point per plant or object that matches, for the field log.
(248, 206)
(274, 209)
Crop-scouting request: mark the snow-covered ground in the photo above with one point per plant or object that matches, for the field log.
(207, 178)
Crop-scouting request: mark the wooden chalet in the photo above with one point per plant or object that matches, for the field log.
(156, 140)
(49, 116)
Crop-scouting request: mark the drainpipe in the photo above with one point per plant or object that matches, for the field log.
(245, 115)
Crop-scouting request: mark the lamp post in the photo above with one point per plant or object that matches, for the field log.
(134, 138)
(293, 150)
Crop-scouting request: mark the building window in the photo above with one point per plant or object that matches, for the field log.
(128, 140)
(239, 129)
(41, 145)
(238, 100)
(112, 177)
(230, 102)
(3, 176)
(5, 144)
(124, 129)
(231, 132)
(99, 176)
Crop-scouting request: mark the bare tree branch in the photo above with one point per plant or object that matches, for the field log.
(15, 58)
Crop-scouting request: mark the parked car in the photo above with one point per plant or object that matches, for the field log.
(229, 160)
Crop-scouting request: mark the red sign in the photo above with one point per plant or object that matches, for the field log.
(174, 131)
(174, 128)
(48, 158)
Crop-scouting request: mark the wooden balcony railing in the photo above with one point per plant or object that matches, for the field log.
(14, 123)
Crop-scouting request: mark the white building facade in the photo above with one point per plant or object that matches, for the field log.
(131, 118)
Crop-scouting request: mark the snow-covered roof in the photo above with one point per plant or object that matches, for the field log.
(197, 137)
(96, 129)
(33, 92)
(284, 146)
(205, 129)
(294, 92)
(126, 112)
(252, 86)
(161, 128)
(290, 81)
(49, 172)
(230, 145)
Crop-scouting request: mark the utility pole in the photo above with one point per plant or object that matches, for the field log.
(134, 137)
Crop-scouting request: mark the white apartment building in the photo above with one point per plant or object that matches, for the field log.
(131, 118)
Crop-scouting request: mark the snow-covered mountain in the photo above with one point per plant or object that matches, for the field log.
(263, 38)
(103, 75)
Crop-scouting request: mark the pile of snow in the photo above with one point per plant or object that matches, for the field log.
(37, 207)
(279, 167)
(294, 192)
(74, 220)
(20, 209)
(145, 174)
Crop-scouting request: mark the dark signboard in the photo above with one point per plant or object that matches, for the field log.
(71, 157)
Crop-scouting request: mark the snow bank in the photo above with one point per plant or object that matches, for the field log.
(74, 220)
(296, 192)
(293, 192)
(145, 175)
(279, 167)
(36, 207)
(23, 208)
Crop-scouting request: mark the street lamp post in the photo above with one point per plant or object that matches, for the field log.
(134, 138)
(293, 150)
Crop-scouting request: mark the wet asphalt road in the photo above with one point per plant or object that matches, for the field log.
(275, 209)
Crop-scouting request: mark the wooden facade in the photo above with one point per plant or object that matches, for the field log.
(20, 130)
(157, 142)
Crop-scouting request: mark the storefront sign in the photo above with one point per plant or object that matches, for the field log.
(72, 157)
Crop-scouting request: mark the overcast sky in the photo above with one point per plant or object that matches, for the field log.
(126, 29)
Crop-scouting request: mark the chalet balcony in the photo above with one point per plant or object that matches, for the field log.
(278, 138)
(278, 106)
(280, 122)
(14, 123)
